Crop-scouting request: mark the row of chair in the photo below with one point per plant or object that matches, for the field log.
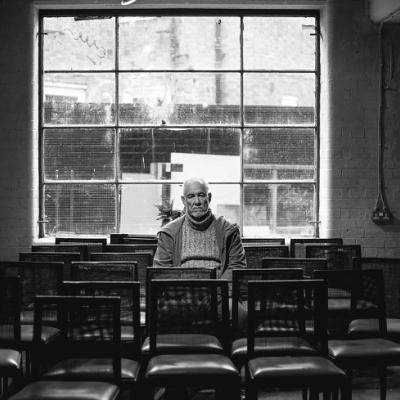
(286, 341)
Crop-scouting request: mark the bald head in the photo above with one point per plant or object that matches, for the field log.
(196, 197)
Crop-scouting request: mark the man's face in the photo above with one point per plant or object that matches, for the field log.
(196, 199)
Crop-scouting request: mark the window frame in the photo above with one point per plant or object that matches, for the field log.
(116, 126)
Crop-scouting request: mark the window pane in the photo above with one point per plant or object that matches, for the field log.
(278, 209)
(70, 43)
(278, 153)
(162, 153)
(179, 43)
(179, 98)
(79, 98)
(80, 209)
(139, 212)
(279, 98)
(79, 154)
(279, 43)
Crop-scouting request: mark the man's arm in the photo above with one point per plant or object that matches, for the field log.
(235, 255)
(164, 253)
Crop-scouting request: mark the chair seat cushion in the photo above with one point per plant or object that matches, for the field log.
(185, 344)
(294, 370)
(49, 333)
(369, 327)
(364, 351)
(91, 369)
(10, 361)
(274, 346)
(55, 390)
(184, 366)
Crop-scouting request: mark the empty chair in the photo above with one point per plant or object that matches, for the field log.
(297, 244)
(367, 301)
(308, 265)
(104, 271)
(129, 293)
(391, 277)
(278, 345)
(283, 307)
(189, 337)
(83, 249)
(337, 256)
(130, 248)
(256, 252)
(89, 345)
(10, 334)
(66, 258)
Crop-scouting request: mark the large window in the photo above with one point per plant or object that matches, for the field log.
(132, 105)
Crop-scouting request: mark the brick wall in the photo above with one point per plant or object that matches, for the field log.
(348, 129)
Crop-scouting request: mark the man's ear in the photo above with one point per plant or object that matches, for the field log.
(209, 197)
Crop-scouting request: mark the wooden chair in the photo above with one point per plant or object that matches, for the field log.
(129, 292)
(188, 329)
(81, 240)
(129, 238)
(256, 252)
(130, 248)
(66, 258)
(367, 301)
(308, 265)
(337, 256)
(83, 249)
(10, 333)
(297, 244)
(104, 271)
(35, 277)
(282, 308)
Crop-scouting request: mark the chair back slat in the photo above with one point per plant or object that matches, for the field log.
(297, 248)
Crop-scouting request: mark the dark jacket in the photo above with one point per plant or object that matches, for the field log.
(230, 246)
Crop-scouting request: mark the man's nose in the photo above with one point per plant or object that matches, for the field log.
(197, 200)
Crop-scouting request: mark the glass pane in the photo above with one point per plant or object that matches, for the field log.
(178, 154)
(179, 43)
(139, 212)
(79, 98)
(179, 98)
(80, 209)
(78, 154)
(279, 98)
(278, 153)
(279, 43)
(278, 209)
(72, 43)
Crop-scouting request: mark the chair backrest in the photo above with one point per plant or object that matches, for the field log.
(104, 271)
(89, 327)
(286, 308)
(297, 244)
(242, 276)
(128, 291)
(181, 306)
(129, 238)
(256, 252)
(82, 240)
(36, 278)
(391, 277)
(144, 260)
(308, 265)
(131, 248)
(83, 249)
(364, 289)
(263, 240)
(66, 258)
(338, 256)
(10, 323)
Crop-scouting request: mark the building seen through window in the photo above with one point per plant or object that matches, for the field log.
(133, 105)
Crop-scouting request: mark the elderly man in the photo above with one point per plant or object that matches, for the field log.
(198, 238)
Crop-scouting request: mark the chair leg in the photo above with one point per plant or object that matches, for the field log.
(382, 372)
